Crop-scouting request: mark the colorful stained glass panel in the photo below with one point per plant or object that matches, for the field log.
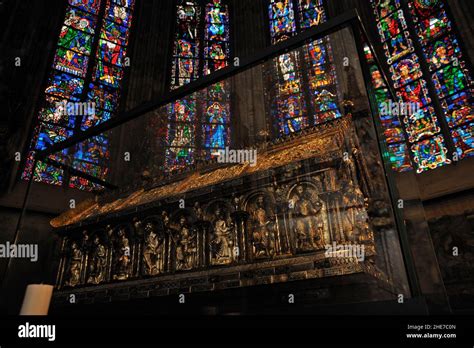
(111, 53)
(179, 158)
(405, 70)
(48, 174)
(449, 80)
(430, 154)
(385, 7)
(215, 135)
(65, 86)
(118, 14)
(108, 74)
(282, 19)
(442, 52)
(98, 117)
(71, 62)
(91, 6)
(414, 93)
(311, 13)
(183, 110)
(115, 33)
(94, 150)
(290, 114)
(459, 108)
(188, 14)
(397, 47)
(376, 76)
(216, 112)
(424, 8)
(103, 97)
(80, 20)
(124, 3)
(49, 135)
(399, 157)
(392, 26)
(56, 111)
(463, 138)
(180, 135)
(433, 27)
(75, 40)
(421, 124)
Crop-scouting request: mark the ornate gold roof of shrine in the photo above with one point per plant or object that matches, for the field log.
(319, 142)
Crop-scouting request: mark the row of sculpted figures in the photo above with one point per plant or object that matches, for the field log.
(277, 220)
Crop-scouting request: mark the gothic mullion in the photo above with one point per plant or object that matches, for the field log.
(311, 114)
(93, 58)
(296, 14)
(435, 102)
(198, 147)
(383, 68)
(307, 89)
(455, 32)
(231, 25)
(201, 28)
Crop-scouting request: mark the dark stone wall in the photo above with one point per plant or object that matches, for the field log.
(30, 30)
(35, 229)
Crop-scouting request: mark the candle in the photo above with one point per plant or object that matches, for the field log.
(37, 299)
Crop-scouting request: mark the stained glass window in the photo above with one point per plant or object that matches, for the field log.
(393, 131)
(282, 19)
(181, 133)
(427, 136)
(215, 122)
(216, 36)
(289, 110)
(301, 102)
(186, 51)
(67, 89)
(311, 13)
(450, 75)
(198, 125)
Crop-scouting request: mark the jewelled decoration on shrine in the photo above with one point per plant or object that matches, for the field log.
(90, 79)
(448, 71)
(300, 102)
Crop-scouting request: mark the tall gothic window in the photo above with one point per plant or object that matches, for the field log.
(306, 92)
(442, 130)
(199, 124)
(87, 70)
(391, 123)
